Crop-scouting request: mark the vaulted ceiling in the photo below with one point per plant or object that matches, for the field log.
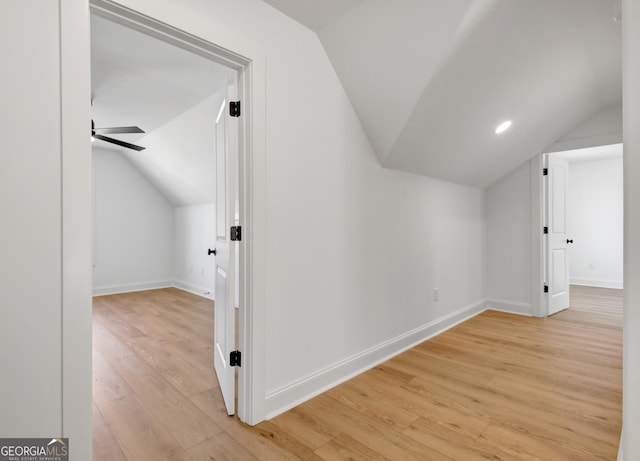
(172, 94)
(431, 79)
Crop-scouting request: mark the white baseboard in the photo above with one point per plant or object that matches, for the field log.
(512, 307)
(289, 396)
(144, 286)
(597, 283)
(130, 287)
(194, 289)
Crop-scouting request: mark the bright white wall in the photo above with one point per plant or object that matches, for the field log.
(595, 222)
(30, 205)
(631, 86)
(133, 228)
(353, 250)
(194, 269)
(45, 202)
(508, 224)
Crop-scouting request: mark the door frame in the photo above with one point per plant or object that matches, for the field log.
(247, 409)
(539, 300)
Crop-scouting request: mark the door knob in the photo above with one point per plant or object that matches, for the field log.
(569, 241)
(211, 252)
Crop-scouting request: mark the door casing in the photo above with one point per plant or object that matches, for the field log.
(247, 411)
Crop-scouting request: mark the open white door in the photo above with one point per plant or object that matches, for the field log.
(224, 317)
(557, 254)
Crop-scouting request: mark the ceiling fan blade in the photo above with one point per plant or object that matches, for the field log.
(119, 129)
(118, 142)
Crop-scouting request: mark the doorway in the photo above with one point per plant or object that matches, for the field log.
(239, 68)
(582, 216)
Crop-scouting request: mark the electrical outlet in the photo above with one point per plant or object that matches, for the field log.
(591, 267)
(436, 294)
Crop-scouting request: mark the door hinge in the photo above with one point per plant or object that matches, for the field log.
(545, 230)
(546, 288)
(236, 233)
(234, 108)
(545, 171)
(235, 359)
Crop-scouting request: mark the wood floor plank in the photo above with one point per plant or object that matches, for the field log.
(457, 444)
(220, 448)
(186, 423)
(139, 434)
(105, 445)
(304, 428)
(496, 387)
(188, 374)
(342, 447)
(107, 383)
(377, 436)
(252, 439)
(109, 345)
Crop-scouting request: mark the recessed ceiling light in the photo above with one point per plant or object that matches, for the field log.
(504, 126)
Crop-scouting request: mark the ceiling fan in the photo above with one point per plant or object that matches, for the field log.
(98, 133)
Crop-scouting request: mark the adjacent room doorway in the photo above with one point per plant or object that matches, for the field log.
(232, 154)
(582, 222)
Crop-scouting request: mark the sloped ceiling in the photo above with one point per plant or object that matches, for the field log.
(431, 79)
(172, 94)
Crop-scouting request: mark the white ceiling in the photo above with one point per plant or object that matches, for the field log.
(138, 80)
(315, 14)
(447, 72)
(429, 79)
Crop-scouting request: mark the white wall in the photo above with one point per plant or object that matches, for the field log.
(353, 250)
(595, 222)
(133, 228)
(631, 86)
(45, 202)
(194, 235)
(30, 205)
(508, 230)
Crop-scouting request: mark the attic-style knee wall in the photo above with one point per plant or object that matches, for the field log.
(140, 240)
(133, 236)
(507, 204)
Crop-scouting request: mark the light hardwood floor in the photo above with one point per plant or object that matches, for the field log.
(497, 387)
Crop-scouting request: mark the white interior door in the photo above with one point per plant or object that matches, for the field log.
(224, 317)
(557, 242)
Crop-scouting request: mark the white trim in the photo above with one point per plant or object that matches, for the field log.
(287, 397)
(76, 196)
(195, 289)
(597, 283)
(131, 287)
(512, 307)
(538, 297)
